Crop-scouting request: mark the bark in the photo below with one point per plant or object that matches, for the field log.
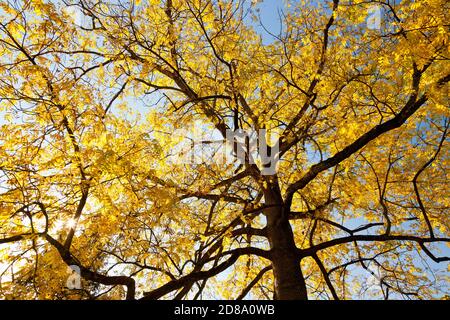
(288, 276)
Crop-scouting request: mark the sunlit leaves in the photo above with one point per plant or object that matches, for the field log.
(97, 99)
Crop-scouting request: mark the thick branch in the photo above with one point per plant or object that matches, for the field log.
(253, 282)
(376, 238)
(91, 275)
(412, 105)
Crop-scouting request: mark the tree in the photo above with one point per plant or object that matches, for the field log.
(92, 175)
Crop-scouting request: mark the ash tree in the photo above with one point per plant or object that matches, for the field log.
(353, 111)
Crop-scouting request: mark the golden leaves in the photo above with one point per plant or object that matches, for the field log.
(79, 96)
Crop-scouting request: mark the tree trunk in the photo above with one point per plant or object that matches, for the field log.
(289, 280)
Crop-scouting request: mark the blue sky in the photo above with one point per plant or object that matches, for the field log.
(270, 19)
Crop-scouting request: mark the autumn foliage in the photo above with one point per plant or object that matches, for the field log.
(91, 93)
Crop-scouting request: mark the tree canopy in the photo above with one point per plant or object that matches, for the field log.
(92, 176)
